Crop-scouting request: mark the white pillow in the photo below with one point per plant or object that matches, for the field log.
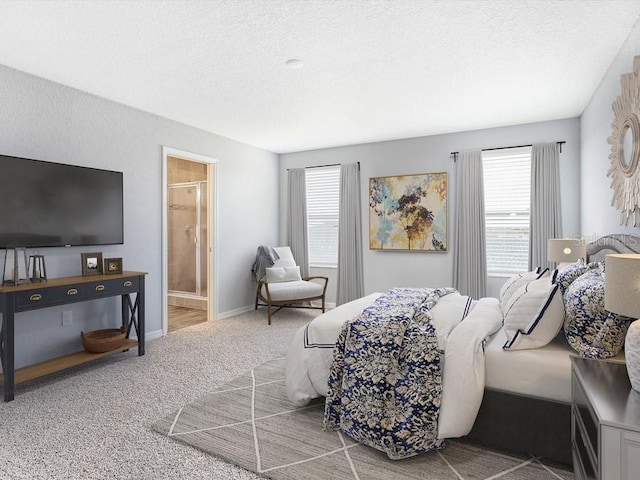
(283, 274)
(534, 315)
(285, 257)
(515, 283)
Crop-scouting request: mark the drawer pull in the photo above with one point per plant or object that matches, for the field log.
(35, 297)
(99, 288)
(128, 283)
(72, 291)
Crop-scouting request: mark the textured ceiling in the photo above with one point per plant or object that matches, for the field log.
(373, 70)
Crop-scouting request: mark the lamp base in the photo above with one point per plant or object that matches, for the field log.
(632, 354)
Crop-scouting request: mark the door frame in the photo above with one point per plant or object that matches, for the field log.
(212, 237)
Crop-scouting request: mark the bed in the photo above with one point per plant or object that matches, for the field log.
(522, 397)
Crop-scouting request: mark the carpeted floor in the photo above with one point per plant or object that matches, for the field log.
(94, 422)
(250, 422)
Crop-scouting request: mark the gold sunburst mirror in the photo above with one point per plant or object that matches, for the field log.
(625, 148)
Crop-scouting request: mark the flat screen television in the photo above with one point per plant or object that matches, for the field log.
(44, 204)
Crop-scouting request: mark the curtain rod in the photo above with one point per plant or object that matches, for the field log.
(329, 165)
(455, 154)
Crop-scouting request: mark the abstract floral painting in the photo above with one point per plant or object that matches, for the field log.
(408, 212)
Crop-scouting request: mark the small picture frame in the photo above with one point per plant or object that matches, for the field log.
(91, 263)
(112, 266)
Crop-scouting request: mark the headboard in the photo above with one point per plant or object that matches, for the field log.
(615, 243)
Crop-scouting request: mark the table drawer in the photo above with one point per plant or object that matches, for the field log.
(48, 296)
(116, 286)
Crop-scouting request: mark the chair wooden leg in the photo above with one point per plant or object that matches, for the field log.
(269, 314)
(257, 296)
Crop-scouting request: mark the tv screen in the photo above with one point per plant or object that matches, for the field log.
(44, 204)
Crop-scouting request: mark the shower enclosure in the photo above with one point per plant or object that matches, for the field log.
(187, 235)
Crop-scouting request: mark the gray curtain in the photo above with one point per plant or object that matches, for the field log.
(350, 274)
(297, 219)
(545, 217)
(470, 259)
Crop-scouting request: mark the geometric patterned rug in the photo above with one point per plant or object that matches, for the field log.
(250, 422)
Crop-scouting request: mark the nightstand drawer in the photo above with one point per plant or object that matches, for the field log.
(630, 454)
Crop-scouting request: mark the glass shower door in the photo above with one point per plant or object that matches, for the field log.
(184, 238)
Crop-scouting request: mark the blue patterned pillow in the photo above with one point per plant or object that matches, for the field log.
(564, 276)
(591, 330)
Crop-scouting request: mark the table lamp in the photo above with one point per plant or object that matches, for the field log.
(565, 250)
(622, 296)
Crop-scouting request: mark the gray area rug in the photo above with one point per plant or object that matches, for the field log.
(249, 422)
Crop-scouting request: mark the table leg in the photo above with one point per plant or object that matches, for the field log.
(141, 329)
(125, 302)
(7, 347)
(133, 315)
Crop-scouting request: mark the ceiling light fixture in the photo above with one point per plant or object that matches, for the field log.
(294, 63)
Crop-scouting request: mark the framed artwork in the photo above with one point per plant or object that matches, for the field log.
(408, 212)
(112, 266)
(91, 263)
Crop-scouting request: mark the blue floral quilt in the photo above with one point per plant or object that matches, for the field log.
(385, 382)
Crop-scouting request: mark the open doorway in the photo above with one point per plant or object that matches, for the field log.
(188, 234)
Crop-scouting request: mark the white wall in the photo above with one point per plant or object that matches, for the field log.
(43, 120)
(598, 216)
(385, 269)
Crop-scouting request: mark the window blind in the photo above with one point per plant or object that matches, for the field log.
(507, 193)
(323, 197)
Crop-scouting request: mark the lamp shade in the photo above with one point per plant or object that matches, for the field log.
(565, 250)
(622, 284)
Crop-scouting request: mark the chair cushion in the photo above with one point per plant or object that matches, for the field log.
(285, 257)
(283, 274)
(294, 290)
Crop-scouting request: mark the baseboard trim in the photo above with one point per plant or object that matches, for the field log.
(153, 335)
(234, 312)
(248, 308)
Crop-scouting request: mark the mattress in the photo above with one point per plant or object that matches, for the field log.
(543, 372)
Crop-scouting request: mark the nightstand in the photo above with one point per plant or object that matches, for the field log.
(605, 421)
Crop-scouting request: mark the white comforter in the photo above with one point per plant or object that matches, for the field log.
(310, 354)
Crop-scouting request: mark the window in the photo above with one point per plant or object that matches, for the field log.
(323, 197)
(507, 193)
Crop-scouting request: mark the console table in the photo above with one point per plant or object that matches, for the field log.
(62, 291)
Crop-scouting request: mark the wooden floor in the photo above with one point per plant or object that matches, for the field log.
(181, 317)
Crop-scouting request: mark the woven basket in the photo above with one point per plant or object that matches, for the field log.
(100, 341)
